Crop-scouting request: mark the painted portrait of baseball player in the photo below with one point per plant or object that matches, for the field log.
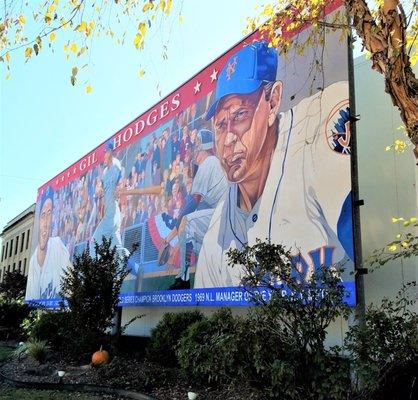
(288, 171)
(208, 188)
(50, 258)
(107, 189)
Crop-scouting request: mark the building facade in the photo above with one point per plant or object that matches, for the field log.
(16, 243)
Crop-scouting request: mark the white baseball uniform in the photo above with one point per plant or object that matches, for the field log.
(307, 184)
(210, 182)
(44, 281)
(109, 226)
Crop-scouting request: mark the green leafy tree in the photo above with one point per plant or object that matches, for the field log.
(384, 350)
(90, 290)
(13, 286)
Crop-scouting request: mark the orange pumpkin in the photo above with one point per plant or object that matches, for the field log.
(100, 357)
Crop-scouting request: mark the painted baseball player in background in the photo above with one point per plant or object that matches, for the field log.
(289, 172)
(50, 258)
(208, 188)
(109, 225)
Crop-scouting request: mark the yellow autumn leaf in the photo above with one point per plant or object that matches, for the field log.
(82, 27)
(141, 73)
(7, 77)
(64, 23)
(51, 8)
(161, 5)
(22, 19)
(142, 27)
(405, 244)
(74, 48)
(66, 48)
(28, 52)
(392, 247)
(148, 6)
(181, 19)
(52, 37)
(413, 219)
(168, 6)
(7, 57)
(137, 40)
(88, 88)
(387, 148)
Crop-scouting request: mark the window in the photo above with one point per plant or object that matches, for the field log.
(11, 248)
(20, 266)
(8, 268)
(7, 248)
(27, 239)
(2, 253)
(24, 266)
(17, 244)
(22, 242)
(14, 266)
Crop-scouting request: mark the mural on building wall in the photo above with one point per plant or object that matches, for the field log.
(257, 145)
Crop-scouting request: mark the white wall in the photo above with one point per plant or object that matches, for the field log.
(387, 181)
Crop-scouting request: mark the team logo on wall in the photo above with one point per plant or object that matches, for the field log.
(337, 129)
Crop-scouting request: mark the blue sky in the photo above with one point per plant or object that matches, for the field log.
(46, 124)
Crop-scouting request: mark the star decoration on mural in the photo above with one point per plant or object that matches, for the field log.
(197, 87)
(214, 75)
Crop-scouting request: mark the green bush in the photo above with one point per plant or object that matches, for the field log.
(212, 350)
(166, 335)
(12, 313)
(384, 350)
(13, 286)
(49, 326)
(90, 290)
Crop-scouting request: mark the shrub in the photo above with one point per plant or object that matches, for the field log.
(13, 286)
(37, 350)
(12, 313)
(286, 354)
(211, 350)
(166, 335)
(384, 349)
(90, 289)
(49, 326)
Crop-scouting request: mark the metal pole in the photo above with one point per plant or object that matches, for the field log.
(358, 256)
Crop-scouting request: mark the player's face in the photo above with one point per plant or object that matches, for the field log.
(107, 157)
(241, 125)
(45, 220)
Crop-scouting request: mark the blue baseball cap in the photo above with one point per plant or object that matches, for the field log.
(47, 194)
(205, 137)
(110, 145)
(245, 71)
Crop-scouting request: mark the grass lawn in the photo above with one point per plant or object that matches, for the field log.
(7, 393)
(5, 352)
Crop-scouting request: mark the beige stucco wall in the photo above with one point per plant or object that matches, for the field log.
(387, 181)
(19, 229)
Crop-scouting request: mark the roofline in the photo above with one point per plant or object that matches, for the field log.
(18, 218)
